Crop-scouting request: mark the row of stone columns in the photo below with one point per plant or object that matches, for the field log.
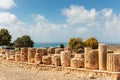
(94, 59)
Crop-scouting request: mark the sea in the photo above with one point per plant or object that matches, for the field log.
(49, 44)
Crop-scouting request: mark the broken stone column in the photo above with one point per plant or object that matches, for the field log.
(102, 56)
(24, 54)
(77, 62)
(38, 55)
(58, 50)
(46, 60)
(91, 59)
(113, 62)
(65, 58)
(56, 60)
(17, 57)
(31, 54)
(51, 51)
(68, 49)
(86, 56)
(81, 55)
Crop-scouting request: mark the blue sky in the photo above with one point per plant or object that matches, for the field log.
(60, 20)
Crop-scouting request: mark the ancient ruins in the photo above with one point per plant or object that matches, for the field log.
(97, 62)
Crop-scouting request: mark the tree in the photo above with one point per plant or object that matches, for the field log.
(24, 41)
(5, 37)
(92, 43)
(76, 43)
(61, 45)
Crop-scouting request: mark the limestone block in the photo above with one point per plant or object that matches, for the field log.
(31, 54)
(24, 54)
(68, 49)
(91, 59)
(38, 58)
(51, 51)
(46, 60)
(65, 58)
(81, 55)
(17, 57)
(56, 60)
(58, 50)
(113, 62)
(33, 60)
(102, 56)
(77, 62)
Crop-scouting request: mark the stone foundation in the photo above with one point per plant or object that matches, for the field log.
(114, 75)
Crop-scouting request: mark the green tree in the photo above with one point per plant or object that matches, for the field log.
(91, 42)
(5, 37)
(61, 45)
(24, 41)
(76, 43)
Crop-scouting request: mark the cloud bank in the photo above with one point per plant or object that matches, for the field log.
(80, 22)
(7, 4)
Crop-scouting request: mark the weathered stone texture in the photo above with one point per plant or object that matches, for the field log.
(77, 62)
(65, 58)
(81, 55)
(51, 51)
(91, 59)
(46, 60)
(113, 62)
(58, 50)
(56, 60)
(102, 56)
(31, 54)
(24, 54)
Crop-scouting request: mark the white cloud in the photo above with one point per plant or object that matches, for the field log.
(103, 24)
(82, 30)
(80, 22)
(7, 18)
(7, 4)
(78, 14)
(10, 22)
(107, 12)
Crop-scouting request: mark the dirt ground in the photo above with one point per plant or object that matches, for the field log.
(10, 71)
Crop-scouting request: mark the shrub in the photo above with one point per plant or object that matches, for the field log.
(91, 42)
(76, 43)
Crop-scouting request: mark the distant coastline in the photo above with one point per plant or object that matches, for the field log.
(49, 44)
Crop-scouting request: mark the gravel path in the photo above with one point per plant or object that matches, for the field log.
(13, 72)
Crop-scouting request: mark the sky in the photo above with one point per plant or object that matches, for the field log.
(60, 20)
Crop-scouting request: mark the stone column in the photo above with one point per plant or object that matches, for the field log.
(38, 56)
(58, 50)
(65, 58)
(31, 54)
(24, 54)
(102, 56)
(77, 63)
(51, 51)
(91, 59)
(46, 60)
(113, 62)
(86, 56)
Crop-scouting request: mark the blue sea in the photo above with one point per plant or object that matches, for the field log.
(49, 44)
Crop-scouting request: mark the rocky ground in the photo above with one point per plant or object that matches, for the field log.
(10, 71)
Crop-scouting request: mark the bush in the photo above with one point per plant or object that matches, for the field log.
(91, 42)
(61, 45)
(24, 41)
(76, 43)
(5, 37)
